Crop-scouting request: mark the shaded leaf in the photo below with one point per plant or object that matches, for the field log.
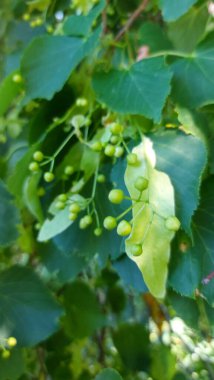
(193, 84)
(108, 374)
(28, 311)
(13, 367)
(31, 198)
(140, 90)
(9, 90)
(9, 217)
(163, 363)
(183, 158)
(83, 315)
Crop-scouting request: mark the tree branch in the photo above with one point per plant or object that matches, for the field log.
(132, 19)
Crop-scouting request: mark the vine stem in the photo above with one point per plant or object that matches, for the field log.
(132, 19)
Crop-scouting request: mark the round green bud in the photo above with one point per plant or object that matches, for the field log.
(141, 183)
(41, 191)
(38, 156)
(110, 223)
(74, 208)
(172, 223)
(116, 128)
(17, 78)
(116, 196)
(5, 354)
(109, 150)
(72, 216)
(37, 226)
(114, 139)
(62, 197)
(98, 231)
(60, 205)
(119, 151)
(101, 178)
(136, 250)
(96, 146)
(34, 167)
(69, 170)
(132, 159)
(48, 177)
(11, 341)
(81, 102)
(124, 228)
(85, 222)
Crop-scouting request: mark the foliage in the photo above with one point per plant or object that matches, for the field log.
(106, 190)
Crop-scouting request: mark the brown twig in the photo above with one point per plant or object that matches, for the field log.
(104, 18)
(132, 19)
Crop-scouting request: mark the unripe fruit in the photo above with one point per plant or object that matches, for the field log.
(114, 139)
(11, 341)
(124, 228)
(101, 178)
(17, 78)
(172, 223)
(110, 223)
(34, 167)
(109, 150)
(141, 183)
(5, 354)
(72, 216)
(48, 177)
(85, 222)
(136, 250)
(37, 226)
(116, 128)
(116, 196)
(74, 208)
(81, 102)
(60, 205)
(69, 170)
(41, 191)
(62, 197)
(97, 146)
(132, 159)
(119, 151)
(38, 156)
(98, 231)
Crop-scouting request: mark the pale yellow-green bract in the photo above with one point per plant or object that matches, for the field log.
(149, 217)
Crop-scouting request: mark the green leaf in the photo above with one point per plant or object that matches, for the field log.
(142, 89)
(9, 90)
(28, 311)
(192, 263)
(189, 29)
(130, 274)
(173, 9)
(132, 343)
(81, 25)
(149, 219)
(65, 265)
(83, 315)
(183, 158)
(152, 35)
(193, 84)
(31, 198)
(48, 62)
(108, 374)
(13, 367)
(9, 217)
(163, 363)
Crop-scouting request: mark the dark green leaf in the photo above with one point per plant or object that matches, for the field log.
(173, 9)
(183, 158)
(81, 25)
(13, 367)
(192, 264)
(130, 274)
(189, 29)
(28, 311)
(9, 90)
(142, 89)
(83, 315)
(9, 217)
(132, 343)
(108, 374)
(31, 197)
(193, 84)
(152, 35)
(44, 59)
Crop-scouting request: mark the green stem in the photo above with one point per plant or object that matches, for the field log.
(63, 144)
(95, 181)
(124, 213)
(171, 53)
